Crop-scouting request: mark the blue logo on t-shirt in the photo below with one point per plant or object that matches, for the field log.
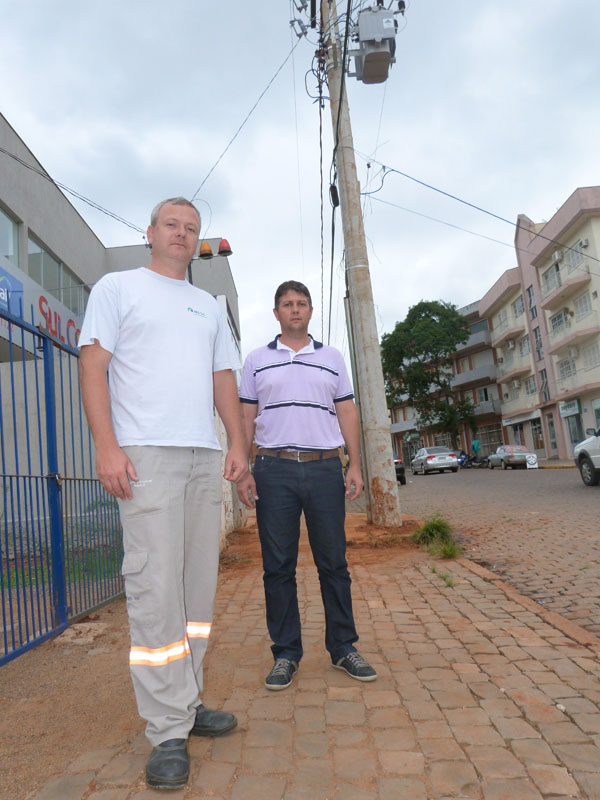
(197, 313)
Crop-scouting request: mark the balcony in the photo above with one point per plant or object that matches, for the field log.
(573, 332)
(476, 341)
(485, 373)
(487, 407)
(519, 403)
(510, 328)
(403, 425)
(514, 367)
(581, 381)
(563, 284)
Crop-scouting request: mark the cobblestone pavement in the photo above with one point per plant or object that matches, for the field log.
(481, 694)
(538, 529)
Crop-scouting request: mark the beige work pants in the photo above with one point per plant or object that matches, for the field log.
(171, 542)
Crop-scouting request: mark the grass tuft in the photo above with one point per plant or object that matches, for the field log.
(436, 535)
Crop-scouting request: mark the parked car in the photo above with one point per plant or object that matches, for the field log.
(511, 455)
(429, 459)
(400, 472)
(587, 457)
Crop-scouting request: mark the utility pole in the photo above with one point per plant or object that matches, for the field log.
(380, 472)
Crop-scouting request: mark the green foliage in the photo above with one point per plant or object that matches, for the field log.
(435, 528)
(417, 365)
(436, 535)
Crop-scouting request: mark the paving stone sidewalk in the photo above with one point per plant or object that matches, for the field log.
(481, 694)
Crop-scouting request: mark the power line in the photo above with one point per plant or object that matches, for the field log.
(246, 118)
(474, 206)
(72, 192)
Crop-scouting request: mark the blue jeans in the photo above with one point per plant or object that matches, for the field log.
(286, 488)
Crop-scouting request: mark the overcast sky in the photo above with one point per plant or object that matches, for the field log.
(496, 103)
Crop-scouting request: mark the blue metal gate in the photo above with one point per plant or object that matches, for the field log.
(60, 535)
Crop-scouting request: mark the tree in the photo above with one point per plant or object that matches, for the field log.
(417, 366)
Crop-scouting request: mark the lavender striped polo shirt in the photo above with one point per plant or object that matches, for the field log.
(296, 395)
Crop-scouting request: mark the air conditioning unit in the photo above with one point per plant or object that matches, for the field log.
(584, 242)
(573, 352)
(510, 345)
(557, 256)
(515, 384)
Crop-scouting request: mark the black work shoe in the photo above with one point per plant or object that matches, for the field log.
(281, 675)
(212, 723)
(355, 665)
(168, 766)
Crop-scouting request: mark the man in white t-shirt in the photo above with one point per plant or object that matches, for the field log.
(155, 356)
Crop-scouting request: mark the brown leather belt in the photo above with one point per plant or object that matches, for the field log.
(299, 455)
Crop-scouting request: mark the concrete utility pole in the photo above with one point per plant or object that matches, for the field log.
(380, 472)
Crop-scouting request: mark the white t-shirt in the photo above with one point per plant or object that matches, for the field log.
(166, 337)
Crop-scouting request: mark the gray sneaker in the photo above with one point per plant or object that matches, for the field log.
(281, 675)
(356, 666)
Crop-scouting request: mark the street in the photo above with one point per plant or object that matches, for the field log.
(537, 529)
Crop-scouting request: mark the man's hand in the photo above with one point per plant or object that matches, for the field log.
(246, 489)
(236, 465)
(115, 471)
(354, 482)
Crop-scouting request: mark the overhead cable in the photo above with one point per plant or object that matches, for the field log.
(246, 118)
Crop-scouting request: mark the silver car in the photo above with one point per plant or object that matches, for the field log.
(429, 459)
(511, 455)
(587, 457)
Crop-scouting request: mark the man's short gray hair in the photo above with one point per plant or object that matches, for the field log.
(175, 201)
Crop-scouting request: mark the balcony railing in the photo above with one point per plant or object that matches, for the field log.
(574, 328)
(516, 364)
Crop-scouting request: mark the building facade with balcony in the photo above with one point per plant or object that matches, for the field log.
(532, 363)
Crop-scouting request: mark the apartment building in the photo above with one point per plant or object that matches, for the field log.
(532, 362)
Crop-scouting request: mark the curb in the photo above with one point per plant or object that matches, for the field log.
(570, 629)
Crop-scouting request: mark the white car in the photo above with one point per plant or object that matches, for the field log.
(428, 459)
(587, 457)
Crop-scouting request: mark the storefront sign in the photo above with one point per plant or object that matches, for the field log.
(532, 461)
(570, 408)
(25, 298)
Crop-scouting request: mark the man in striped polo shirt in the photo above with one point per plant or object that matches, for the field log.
(297, 405)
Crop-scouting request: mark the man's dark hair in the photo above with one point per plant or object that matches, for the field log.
(292, 286)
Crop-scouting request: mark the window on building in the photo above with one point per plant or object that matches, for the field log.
(9, 238)
(591, 355)
(551, 278)
(531, 303)
(501, 320)
(538, 434)
(518, 307)
(490, 437)
(482, 395)
(560, 322)
(482, 325)
(566, 368)
(56, 278)
(539, 348)
(530, 387)
(573, 257)
(544, 390)
(583, 306)
(525, 346)
(442, 440)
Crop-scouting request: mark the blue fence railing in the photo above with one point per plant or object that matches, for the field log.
(60, 535)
